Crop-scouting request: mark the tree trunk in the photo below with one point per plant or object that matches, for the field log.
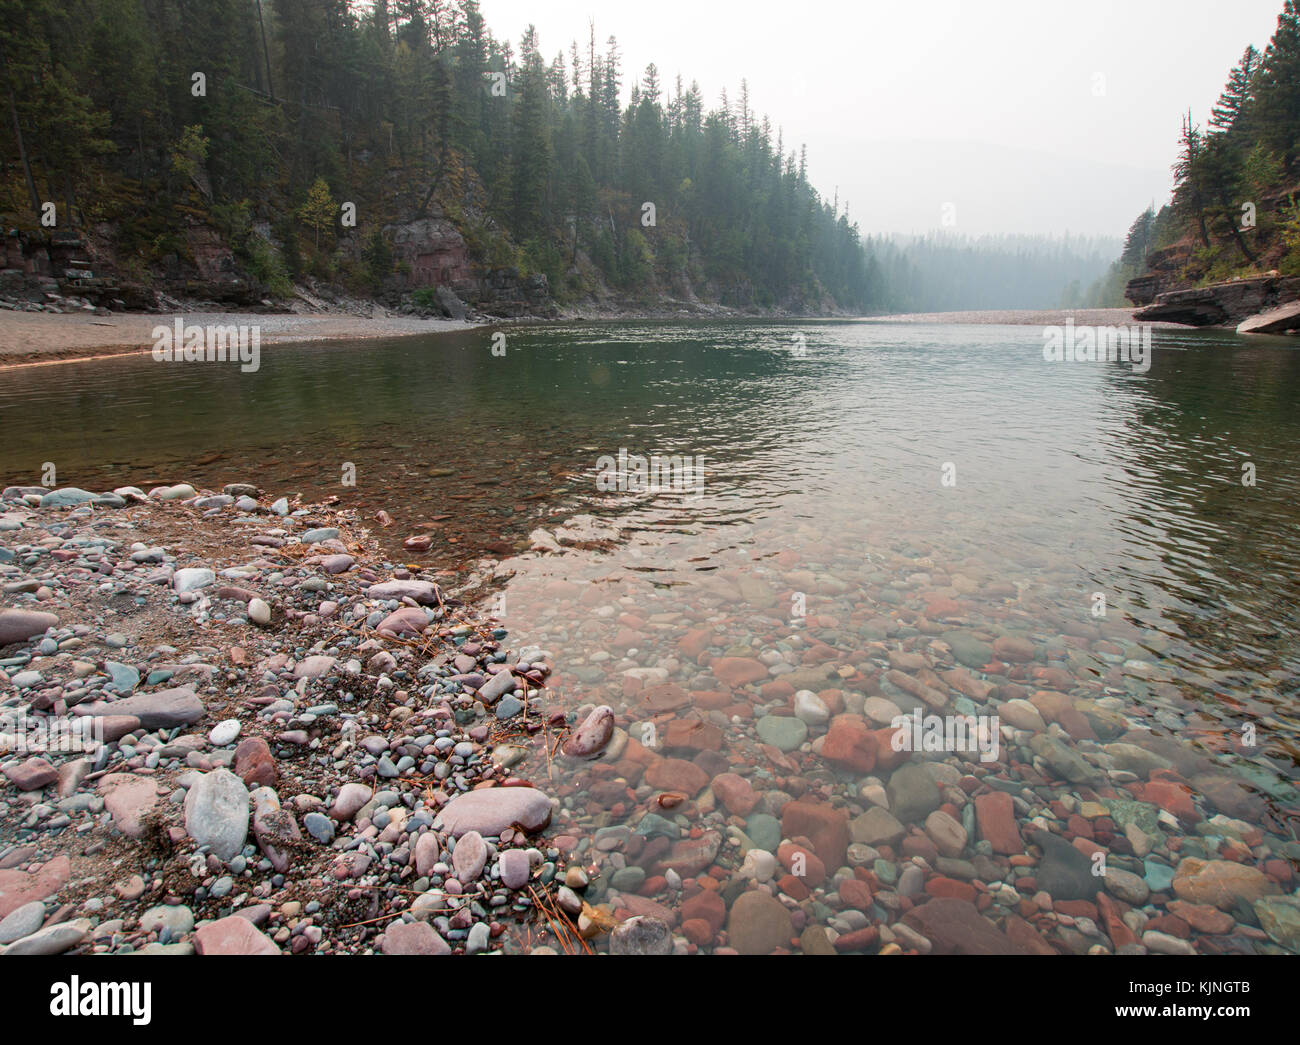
(266, 55)
(1236, 234)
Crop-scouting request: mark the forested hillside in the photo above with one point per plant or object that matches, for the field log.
(1235, 210)
(233, 147)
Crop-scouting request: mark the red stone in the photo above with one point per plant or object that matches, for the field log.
(850, 743)
(695, 642)
(1172, 797)
(736, 793)
(698, 931)
(996, 816)
(802, 862)
(856, 894)
(23, 887)
(826, 828)
(858, 940)
(793, 887)
(706, 906)
(31, 775)
(694, 734)
(950, 888)
(254, 763)
(1120, 934)
(737, 671)
(956, 927)
(676, 774)
(666, 697)
(887, 759)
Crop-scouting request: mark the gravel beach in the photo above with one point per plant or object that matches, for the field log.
(36, 337)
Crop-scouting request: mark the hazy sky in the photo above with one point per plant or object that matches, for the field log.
(1025, 115)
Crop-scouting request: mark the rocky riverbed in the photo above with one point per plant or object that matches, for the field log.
(266, 737)
(228, 726)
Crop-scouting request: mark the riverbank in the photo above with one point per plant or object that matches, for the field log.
(28, 338)
(228, 725)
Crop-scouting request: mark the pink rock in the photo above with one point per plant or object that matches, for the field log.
(21, 625)
(32, 775)
(644, 907)
(413, 938)
(737, 671)
(735, 792)
(409, 620)
(23, 887)
(424, 592)
(115, 727)
(493, 809)
(128, 800)
(515, 869)
(469, 857)
(254, 763)
(590, 738)
(995, 814)
(233, 935)
(689, 856)
(314, 667)
(427, 853)
(350, 799)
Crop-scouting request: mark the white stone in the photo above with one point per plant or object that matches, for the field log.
(224, 733)
(192, 578)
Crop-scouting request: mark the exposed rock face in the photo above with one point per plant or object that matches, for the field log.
(434, 249)
(504, 292)
(1221, 304)
(1163, 267)
(1142, 290)
(1282, 320)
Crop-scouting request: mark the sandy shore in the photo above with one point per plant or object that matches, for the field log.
(28, 338)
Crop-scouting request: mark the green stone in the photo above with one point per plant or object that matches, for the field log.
(784, 734)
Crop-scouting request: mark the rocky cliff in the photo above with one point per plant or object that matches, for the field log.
(1236, 303)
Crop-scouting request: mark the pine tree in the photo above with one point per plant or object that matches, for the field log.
(1229, 115)
(1278, 88)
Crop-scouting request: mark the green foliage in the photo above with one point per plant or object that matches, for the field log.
(267, 267)
(190, 152)
(392, 106)
(1249, 155)
(319, 209)
(378, 258)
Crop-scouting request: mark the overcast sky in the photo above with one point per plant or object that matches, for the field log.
(1025, 115)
